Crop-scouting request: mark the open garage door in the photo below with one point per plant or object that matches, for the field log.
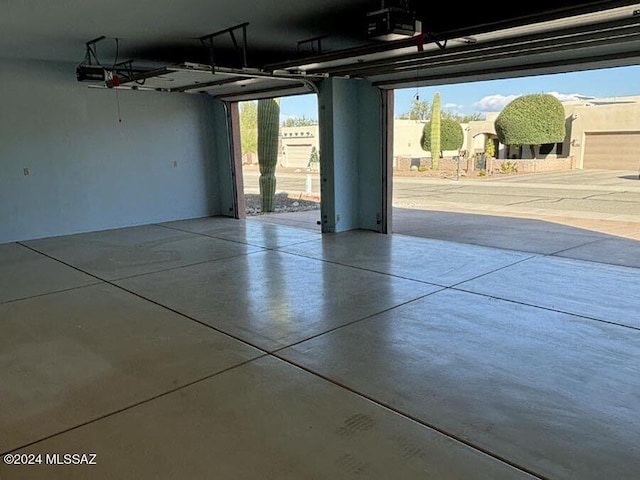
(224, 83)
(612, 151)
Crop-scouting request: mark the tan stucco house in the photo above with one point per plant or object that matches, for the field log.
(601, 133)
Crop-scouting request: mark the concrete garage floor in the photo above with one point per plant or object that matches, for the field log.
(217, 348)
(591, 215)
(595, 240)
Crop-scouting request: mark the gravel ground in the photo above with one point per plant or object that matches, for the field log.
(284, 202)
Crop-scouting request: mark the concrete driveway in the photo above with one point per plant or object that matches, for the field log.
(585, 214)
(579, 194)
(580, 178)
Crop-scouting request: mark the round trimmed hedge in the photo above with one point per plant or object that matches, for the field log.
(533, 119)
(451, 135)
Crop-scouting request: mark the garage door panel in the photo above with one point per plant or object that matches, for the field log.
(612, 151)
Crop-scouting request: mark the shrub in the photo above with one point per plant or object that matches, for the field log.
(314, 157)
(531, 120)
(490, 148)
(451, 135)
(509, 167)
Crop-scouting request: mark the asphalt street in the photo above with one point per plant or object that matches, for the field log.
(594, 194)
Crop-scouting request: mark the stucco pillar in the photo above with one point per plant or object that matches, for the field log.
(353, 139)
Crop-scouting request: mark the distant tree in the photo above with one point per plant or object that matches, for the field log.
(531, 120)
(466, 118)
(249, 127)
(298, 122)
(419, 110)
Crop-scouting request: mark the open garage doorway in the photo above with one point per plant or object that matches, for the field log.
(295, 163)
(578, 195)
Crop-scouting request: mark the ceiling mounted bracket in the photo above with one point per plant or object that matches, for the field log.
(315, 43)
(112, 75)
(91, 54)
(241, 49)
(441, 45)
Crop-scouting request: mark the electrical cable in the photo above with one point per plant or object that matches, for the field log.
(115, 61)
(118, 106)
(114, 75)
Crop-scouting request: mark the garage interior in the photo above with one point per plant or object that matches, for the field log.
(145, 322)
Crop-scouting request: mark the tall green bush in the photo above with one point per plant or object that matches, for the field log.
(435, 132)
(268, 128)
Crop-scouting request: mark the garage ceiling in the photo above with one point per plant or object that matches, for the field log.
(480, 40)
(584, 40)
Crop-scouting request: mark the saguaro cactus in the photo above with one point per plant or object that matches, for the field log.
(268, 125)
(435, 131)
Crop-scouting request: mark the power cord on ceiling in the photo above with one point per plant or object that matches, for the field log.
(416, 97)
(420, 46)
(115, 61)
(118, 106)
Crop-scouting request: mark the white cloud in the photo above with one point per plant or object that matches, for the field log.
(564, 97)
(494, 103)
(452, 106)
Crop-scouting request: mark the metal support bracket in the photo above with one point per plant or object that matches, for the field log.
(315, 43)
(91, 54)
(241, 49)
(441, 45)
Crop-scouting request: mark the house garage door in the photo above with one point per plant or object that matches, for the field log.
(612, 151)
(298, 155)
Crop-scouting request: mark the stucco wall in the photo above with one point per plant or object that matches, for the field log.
(614, 117)
(406, 138)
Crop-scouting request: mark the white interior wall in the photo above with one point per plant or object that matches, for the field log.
(87, 170)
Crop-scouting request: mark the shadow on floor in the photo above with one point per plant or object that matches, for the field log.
(602, 241)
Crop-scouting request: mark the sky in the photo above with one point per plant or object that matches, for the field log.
(493, 95)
